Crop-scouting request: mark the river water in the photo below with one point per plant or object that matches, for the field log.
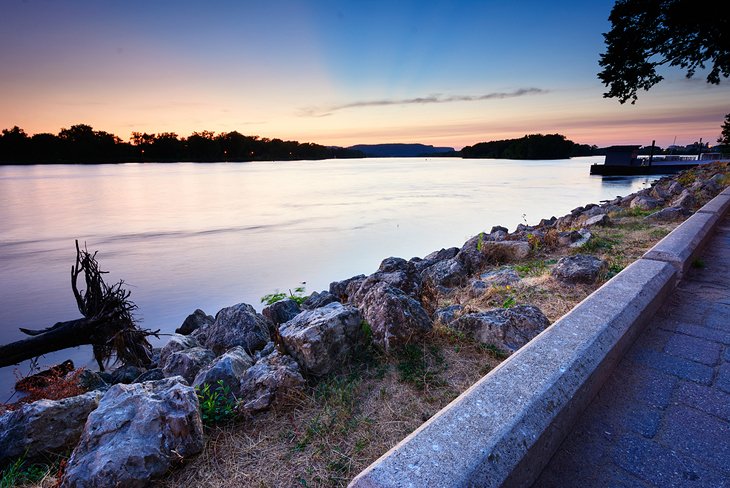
(186, 235)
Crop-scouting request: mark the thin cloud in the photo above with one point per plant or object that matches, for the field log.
(432, 99)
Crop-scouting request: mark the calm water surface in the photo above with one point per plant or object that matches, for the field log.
(187, 236)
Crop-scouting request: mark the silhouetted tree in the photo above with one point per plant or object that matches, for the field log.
(649, 33)
(725, 132)
(533, 146)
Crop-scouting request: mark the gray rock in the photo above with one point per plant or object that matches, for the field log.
(434, 258)
(668, 214)
(471, 255)
(137, 434)
(575, 239)
(339, 288)
(271, 378)
(45, 425)
(505, 251)
(323, 339)
(228, 368)
(675, 188)
(238, 325)
(194, 321)
(177, 342)
(446, 315)
(500, 277)
(601, 220)
(569, 237)
(281, 311)
(317, 300)
(499, 228)
(91, 380)
(580, 268)
(610, 208)
(126, 374)
(395, 318)
(447, 273)
(477, 288)
(151, 375)
(549, 223)
(685, 200)
(507, 328)
(269, 348)
(187, 363)
(645, 202)
(593, 211)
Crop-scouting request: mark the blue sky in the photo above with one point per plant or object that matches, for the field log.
(333, 72)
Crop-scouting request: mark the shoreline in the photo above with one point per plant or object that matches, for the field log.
(524, 251)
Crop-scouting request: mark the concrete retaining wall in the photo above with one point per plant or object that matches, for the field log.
(506, 427)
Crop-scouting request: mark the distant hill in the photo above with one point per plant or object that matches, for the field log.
(402, 150)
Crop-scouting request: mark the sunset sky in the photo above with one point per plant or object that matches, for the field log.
(448, 73)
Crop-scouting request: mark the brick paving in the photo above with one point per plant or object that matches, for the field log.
(663, 417)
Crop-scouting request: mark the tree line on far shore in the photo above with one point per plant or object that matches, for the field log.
(82, 144)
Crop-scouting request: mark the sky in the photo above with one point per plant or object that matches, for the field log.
(447, 73)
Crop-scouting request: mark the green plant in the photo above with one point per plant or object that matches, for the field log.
(480, 242)
(19, 473)
(420, 366)
(509, 302)
(698, 263)
(297, 295)
(217, 404)
(597, 243)
(495, 351)
(534, 241)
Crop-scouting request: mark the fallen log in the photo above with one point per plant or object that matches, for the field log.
(108, 323)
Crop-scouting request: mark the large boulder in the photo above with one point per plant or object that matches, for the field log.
(396, 272)
(669, 214)
(177, 342)
(228, 369)
(45, 425)
(500, 277)
(580, 268)
(446, 315)
(187, 363)
(472, 254)
(643, 202)
(505, 251)
(395, 318)
(600, 219)
(238, 325)
(339, 288)
(271, 378)
(281, 311)
(447, 273)
(317, 300)
(434, 257)
(685, 200)
(137, 433)
(126, 373)
(194, 321)
(321, 340)
(507, 328)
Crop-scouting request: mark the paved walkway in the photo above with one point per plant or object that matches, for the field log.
(663, 418)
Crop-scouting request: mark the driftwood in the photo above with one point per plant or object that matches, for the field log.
(108, 323)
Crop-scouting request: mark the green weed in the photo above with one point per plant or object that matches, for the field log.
(495, 351)
(420, 366)
(217, 404)
(297, 295)
(19, 473)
